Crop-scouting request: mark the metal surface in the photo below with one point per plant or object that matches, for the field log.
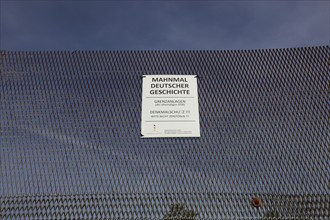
(70, 145)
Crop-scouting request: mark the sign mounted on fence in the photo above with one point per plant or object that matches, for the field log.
(169, 106)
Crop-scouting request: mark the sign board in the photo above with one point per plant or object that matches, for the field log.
(169, 106)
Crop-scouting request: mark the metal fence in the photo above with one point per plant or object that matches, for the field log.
(70, 145)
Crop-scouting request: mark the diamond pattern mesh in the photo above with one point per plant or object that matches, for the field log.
(70, 145)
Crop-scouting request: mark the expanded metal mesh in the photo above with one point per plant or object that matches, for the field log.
(71, 149)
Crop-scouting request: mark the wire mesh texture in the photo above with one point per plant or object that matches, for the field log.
(71, 149)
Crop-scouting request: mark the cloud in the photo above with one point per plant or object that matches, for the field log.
(48, 25)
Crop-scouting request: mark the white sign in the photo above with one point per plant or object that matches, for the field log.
(169, 106)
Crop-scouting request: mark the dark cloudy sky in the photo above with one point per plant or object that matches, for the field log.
(135, 25)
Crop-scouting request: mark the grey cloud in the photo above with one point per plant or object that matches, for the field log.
(163, 25)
